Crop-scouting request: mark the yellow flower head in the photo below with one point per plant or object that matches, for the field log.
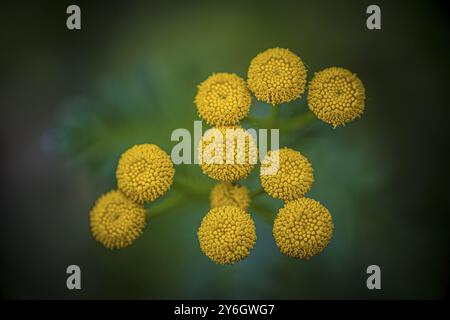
(116, 221)
(277, 76)
(227, 234)
(286, 174)
(228, 194)
(303, 228)
(223, 99)
(227, 153)
(336, 96)
(144, 173)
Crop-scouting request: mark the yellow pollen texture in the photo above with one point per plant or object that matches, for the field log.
(228, 194)
(277, 76)
(144, 173)
(303, 228)
(223, 99)
(227, 153)
(116, 221)
(227, 234)
(294, 176)
(336, 96)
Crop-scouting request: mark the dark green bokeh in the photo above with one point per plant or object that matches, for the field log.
(75, 100)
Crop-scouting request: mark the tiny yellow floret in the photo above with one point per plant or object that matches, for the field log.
(223, 99)
(336, 96)
(116, 221)
(303, 228)
(144, 173)
(286, 174)
(229, 194)
(227, 153)
(277, 76)
(227, 234)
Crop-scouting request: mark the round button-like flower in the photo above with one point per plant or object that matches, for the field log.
(223, 99)
(227, 153)
(227, 234)
(303, 228)
(336, 96)
(229, 194)
(277, 76)
(116, 221)
(144, 173)
(286, 174)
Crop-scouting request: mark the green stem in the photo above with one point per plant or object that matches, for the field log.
(298, 122)
(164, 206)
(189, 189)
(274, 116)
(262, 211)
(288, 124)
(255, 193)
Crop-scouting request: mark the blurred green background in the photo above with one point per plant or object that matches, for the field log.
(73, 101)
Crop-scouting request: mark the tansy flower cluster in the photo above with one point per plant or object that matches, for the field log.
(292, 176)
(223, 99)
(116, 221)
(277, 76)
(228, 194)
(303, 227)
(227, 234)
(144, 173)
(336, 96)
(227, 153)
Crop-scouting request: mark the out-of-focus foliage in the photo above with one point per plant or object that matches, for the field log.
(148, 90)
